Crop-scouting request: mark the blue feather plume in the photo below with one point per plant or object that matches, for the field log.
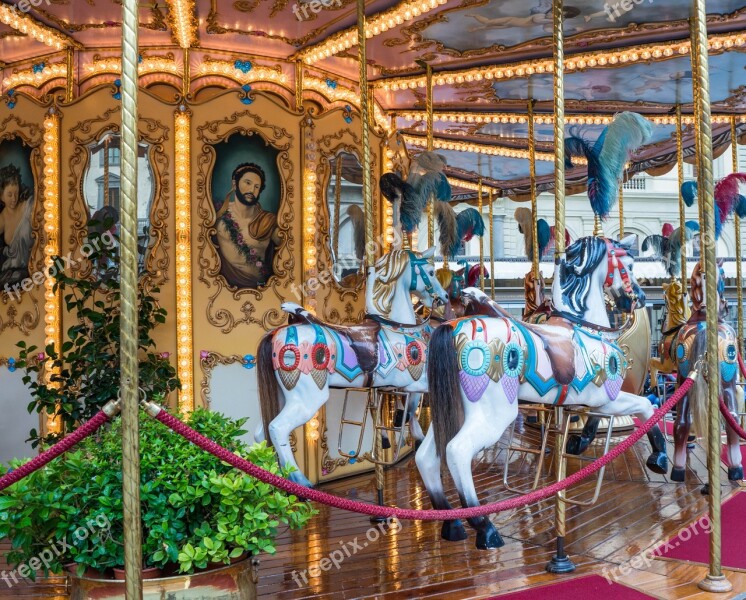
(545, 236)
(741, 206)
(606, 158)
(689, 192)
(469, 223)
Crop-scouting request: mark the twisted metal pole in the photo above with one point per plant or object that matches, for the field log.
(560, 562)
(128, 324)
(739, 258)
(430, 145)
(715, 580)
(534, 200)
(481, 240)
(491, 196)
(682, 207)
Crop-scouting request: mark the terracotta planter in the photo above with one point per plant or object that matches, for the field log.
(90, 572)
(233, 582)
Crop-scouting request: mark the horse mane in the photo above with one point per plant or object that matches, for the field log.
(583, 258)
(388, 269)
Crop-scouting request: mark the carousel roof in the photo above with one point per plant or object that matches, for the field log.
(489, 58)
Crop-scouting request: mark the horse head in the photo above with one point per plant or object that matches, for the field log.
(699, 294)
(533, 288)
(395, 277)
(591, 266)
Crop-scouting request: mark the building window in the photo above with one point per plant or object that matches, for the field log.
(114, 157)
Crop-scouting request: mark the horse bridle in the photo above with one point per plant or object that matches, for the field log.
(614, 264)
(417, 265)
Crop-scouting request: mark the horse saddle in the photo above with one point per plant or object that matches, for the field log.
(363, 336)
(559, 348)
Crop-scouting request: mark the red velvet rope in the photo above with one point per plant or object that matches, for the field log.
(59, 448)
(410, 514)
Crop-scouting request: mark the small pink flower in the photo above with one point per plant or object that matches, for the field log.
(203, 354)
(259, 263)
(41, 356)
(252, 251)
(165, 354)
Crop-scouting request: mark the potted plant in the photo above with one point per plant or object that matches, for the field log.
(73, 382)
(197, 512)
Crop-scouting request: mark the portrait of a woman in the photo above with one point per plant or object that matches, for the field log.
(16, 239)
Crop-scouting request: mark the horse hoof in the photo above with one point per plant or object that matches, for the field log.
(489, 539)
(453, 531)
(399, 418)
(690, 446)
(678, 474)
(658, 463)
(385, 443)
(705, 489)
(574, 419)
(576, 444)
(735, 473)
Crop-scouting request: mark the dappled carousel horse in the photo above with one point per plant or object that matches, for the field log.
(298, 363)
(480, 367)
(689, 347)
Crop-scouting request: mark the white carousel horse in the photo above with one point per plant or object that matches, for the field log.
(480, 367)
(297, 364)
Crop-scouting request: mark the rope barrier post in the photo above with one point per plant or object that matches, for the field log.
(129, 334)
(368, 194)
(715, 580)
(560, 562)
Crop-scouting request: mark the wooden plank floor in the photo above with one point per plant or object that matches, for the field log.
(635, 510)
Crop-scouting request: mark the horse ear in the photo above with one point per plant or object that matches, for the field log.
(429, 253)
(628, 241)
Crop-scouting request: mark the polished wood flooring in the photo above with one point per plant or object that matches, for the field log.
(636, 510)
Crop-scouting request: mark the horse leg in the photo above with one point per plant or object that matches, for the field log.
(414, 425)
(681, 428)
(577, 444)
(301, 404)
(735, 469)
(428, 464)
(632, 404)
(482, 428)
(259, 433)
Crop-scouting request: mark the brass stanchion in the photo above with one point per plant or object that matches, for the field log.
(481, 240)
(560, 562)
(532, 178)
(368, 197)
(739, 258)
(682, 207)
(492, 243)
(129, 322)
(715, 580)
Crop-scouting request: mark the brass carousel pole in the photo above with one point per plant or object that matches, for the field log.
(481, 240)
(70, 80)
(737, 221)
(186, 80)
(682, 211)
(534, 200)
(429, 117)
(560, 562)
(129, 328)
(370, 253)
(299, 85)
(492, 243)
(621, 208)
(715, 580)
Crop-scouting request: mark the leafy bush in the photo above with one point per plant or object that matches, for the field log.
(196, 510)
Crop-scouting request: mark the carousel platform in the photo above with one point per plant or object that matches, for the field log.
(636, 510)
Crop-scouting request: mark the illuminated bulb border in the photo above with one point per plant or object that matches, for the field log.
(469, 185)
(388, 211)
(539, 119)
(41, 33)
(228, 69)
(376, 25)
(603, 59)
(51, 159)
(28, 77)
(182, 21)
(184, 341)
(345, 95)
(148, 65)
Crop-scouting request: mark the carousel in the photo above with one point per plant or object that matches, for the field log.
(256, 331)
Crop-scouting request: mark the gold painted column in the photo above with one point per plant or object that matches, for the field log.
(429, 120)
(70, 78)
(129, 322)
(534, 200)
(739, 258)
(492, 196)
(560, 562)
(682, 207)
(715, 580)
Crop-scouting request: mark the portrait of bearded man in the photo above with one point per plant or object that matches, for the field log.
(247, 235)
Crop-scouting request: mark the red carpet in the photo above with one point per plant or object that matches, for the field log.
(592, 586)
(669, 425)
(692, 542)
(724, 458)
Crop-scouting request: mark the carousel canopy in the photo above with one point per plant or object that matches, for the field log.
(490, 58)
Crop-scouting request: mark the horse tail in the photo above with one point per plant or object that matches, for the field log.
(699, 395)
(445, 389)
(269, 390)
